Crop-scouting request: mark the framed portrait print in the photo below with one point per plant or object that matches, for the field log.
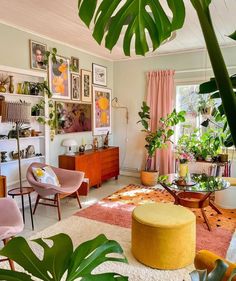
(73, 117)
(86, 85)
(74, 64)
(101, 110)
(37, 55)
(59, 78)
(75, 86)
(99, 75)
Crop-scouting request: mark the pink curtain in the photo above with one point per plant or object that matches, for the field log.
(160, 87)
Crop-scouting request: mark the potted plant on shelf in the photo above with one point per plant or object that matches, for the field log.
(205, 105)
(156, 139)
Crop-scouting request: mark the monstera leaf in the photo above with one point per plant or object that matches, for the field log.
(59, 258)
(217, 274)
(135, 16)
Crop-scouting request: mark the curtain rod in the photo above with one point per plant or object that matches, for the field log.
(200, 69)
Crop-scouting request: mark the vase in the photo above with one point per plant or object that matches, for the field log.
(183, 170)
(11, 85)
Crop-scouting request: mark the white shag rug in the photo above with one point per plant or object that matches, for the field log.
(82, 229)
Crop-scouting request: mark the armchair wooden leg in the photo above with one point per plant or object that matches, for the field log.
(58, 206)
(36, 203)
(77, 196)
(11, 263)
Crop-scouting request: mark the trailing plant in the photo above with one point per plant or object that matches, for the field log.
(135, 18)
(217, 274)
(218, 113)
(38, 108)
(158, 139)
(51, 120)
(60, 259)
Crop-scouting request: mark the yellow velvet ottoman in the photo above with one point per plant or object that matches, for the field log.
(163, 235)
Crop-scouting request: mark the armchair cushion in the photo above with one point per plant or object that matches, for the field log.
(45, 175)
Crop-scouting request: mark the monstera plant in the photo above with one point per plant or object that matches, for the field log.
(134, 18)
(60, 262)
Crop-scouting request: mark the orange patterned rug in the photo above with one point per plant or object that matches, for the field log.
(116, 209)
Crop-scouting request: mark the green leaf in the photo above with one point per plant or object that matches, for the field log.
(110, 276)
(208, 87)
(135, 18)
(9, 275)
(170, 133)
(233, 35)
(218, 272)
(54, 260)
(92, 253)
(199, 275)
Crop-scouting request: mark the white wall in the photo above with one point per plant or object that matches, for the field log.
(14, 52)
(130, 88)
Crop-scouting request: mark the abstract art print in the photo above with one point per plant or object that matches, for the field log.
(75, 86)
(59, 80)
(99, 75)
(86, 85)
(73, 117)
(101, 110)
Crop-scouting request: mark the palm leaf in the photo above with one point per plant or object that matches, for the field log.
(135, 17)
(9, 275)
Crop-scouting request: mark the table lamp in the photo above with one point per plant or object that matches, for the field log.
(68, 143)
(18, 113)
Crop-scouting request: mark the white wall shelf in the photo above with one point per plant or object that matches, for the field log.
(22, 159)
(21, 95)
(26, 138)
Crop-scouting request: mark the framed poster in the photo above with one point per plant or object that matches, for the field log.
(37, 55)
(86, 85)
(59, 82)
(101, 110)
(73, 117)
(74, 64)
(99, 75)
(75, 86)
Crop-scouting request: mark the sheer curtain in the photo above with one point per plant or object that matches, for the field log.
(160, 87)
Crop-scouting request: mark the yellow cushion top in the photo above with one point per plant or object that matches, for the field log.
(232, 181)
(163, 215)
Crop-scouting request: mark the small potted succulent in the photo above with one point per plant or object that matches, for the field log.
(157, 139)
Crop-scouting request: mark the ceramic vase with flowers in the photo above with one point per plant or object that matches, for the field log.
(184, 159)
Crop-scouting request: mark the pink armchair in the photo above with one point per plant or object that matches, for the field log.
(11, 222)
(70, 183)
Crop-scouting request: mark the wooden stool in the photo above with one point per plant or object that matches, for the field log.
(25, 191)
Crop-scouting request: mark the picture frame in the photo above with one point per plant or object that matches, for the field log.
(74, 64)
(73, 117)
(75, 87)
(101, 110)
(86, 85)
(99, 75)
(59, 78)
(37, 55)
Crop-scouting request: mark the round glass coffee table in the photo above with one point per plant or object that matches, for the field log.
(196, 192)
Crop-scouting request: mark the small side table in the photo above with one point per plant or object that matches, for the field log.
(25, 191)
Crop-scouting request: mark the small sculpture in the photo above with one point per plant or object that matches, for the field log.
(82, 148)
(95, 144)
(3, 156)
(14, 155)
(106, 140)
(30, 151)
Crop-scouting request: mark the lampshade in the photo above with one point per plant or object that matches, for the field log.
(17, 112)
(69, 142)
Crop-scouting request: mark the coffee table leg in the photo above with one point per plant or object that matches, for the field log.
(206, 219)
(31, 213)
(215, 208)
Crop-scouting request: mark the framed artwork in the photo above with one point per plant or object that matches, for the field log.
(59, 78)
(99, 75)
(86, 85)
(75, 86)
(73, 117)
(37, 55)
(74, 63)
(101, 110)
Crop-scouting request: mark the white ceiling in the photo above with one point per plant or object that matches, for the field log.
(58, 20)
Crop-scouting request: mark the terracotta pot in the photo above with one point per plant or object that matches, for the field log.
(149, 178)
(223, 157)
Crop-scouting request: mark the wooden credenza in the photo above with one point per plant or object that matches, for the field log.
(3, 186)
(98, 165)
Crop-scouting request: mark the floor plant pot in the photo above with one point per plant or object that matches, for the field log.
(149, 178)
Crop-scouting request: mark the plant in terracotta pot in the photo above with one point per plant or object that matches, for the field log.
(157, 139)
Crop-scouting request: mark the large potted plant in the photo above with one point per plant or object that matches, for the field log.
(157, 139)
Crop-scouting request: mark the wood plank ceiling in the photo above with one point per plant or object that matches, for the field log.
(58, 20)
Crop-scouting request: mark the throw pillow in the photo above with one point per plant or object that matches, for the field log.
(45, 175)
